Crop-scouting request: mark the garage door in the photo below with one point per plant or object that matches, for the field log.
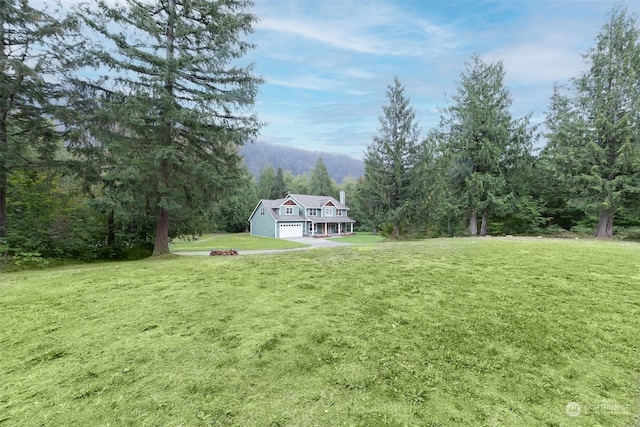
(290, 230)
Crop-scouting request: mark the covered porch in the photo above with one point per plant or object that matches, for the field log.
(343, 227)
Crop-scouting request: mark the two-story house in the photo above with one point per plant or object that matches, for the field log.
(299, 215)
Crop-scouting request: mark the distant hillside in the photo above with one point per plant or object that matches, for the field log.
(261, 154)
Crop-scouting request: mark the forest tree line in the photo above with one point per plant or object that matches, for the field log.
(477, 172)
(110, 149)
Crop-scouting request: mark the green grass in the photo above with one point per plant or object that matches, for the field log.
(451, 332)
(360, 238)
(240, 241)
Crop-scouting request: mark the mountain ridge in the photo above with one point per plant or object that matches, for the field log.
(258, 155)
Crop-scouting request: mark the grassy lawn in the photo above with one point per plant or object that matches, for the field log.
(451, 332)
(240, 241)
(361, 238)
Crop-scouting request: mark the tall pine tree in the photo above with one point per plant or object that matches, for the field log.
(484, 144)
(320, 182)
(594, 133)
(280, 186)
(180, 101)
(389, 161)
(267, 183)
(30, 39)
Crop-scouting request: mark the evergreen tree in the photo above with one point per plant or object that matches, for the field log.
(389, 161)
(51, 217)
(177, 97)
(552, 182)
(280, 187)
(594, 136)
(369, 196)
(267, 183)
(30, 39)
(320, 182)
(430, 199)
(484, 144)
(298, 184)
(235, 209)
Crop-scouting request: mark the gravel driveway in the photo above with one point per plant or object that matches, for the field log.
(317, 243)
(312, 242)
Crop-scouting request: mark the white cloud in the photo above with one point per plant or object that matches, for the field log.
(360, 74)
(303, 82)
(315, 32)
(535, 63)
(377, 28)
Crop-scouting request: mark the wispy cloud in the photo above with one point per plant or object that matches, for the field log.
(306, 82)
(337, 57)
(327, 63)
(374, 29)
(313, 31)
(537, 63)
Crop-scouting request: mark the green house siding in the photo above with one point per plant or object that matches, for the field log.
(296, 211)
(263, 225)
(271, 219)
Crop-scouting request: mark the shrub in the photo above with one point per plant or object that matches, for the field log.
(627, 233)
(583, 230)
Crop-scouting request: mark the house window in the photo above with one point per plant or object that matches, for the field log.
(262, 211)
(328, 211)
(313, 227)
(288, 210)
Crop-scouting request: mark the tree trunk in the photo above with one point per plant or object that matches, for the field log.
(473, 223)
(4, 140)
(605, 224)
(4, 144)
(161, 245)
(3, 201)
(483, 226)
(396, 230)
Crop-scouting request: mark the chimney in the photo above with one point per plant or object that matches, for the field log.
(342, 197)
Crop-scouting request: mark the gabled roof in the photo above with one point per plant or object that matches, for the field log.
(272, 208)
(267, 204)
(317, 202)
(306, 201)
(275, 204)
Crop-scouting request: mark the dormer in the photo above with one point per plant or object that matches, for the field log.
(289, 208)
(328, 209)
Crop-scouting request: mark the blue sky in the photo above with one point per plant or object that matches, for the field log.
(327, 63)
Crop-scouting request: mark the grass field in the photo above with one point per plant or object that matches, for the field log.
(450, 332)
(240, 241)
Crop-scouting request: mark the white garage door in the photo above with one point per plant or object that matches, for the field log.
(291, 230)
